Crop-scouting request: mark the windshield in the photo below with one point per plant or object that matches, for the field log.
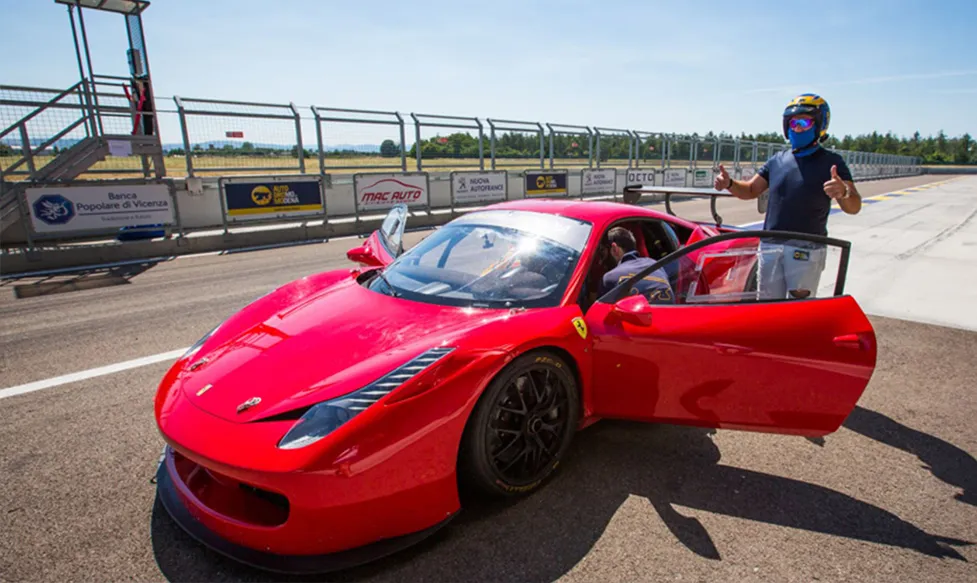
(490, 259)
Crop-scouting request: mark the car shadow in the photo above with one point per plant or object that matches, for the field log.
(543, 536)
(77, 280)
(946, 461)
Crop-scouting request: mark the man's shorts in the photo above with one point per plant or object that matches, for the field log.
(790, 271)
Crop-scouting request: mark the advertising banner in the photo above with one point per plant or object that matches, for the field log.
(377, 191)
(99, 208)
(253, 198)
(674, 177)
(546, 183)
(479, 187)
(602, 181)
(701, 178)
(642, 177)
(747, 173)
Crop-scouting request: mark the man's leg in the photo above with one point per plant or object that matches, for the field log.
(770, 276)
(802, 270)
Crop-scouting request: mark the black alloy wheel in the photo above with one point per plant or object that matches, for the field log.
(521, 427)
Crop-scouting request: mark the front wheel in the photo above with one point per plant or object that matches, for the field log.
(521, 427)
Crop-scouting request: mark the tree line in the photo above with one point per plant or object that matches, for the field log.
(939, 149)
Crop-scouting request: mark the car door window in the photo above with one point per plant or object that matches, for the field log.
(757, 266)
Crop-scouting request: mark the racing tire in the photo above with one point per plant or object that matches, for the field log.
(521, 427)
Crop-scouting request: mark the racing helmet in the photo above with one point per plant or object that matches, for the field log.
(813, 105)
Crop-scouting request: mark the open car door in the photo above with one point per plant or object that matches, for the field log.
(755, 334)
(385, 244)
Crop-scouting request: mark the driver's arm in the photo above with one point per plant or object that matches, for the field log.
(748, 189)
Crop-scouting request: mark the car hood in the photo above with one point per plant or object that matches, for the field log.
(319, 347)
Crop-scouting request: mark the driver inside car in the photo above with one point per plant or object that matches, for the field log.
(623, 249)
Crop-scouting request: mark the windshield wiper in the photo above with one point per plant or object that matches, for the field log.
(393, 292)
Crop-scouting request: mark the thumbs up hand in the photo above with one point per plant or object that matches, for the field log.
(835, 188)
(722, 179)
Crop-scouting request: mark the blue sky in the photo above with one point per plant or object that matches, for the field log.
(894, 65)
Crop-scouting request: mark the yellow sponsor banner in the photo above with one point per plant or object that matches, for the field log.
(265, 211)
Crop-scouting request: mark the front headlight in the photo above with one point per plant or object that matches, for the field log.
(324, 418)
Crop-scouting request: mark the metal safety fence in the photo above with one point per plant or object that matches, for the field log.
(203, 137)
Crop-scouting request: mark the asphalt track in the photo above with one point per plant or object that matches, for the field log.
(892, 496)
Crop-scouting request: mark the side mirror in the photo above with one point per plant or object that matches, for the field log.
(364, 256)
(634, 309)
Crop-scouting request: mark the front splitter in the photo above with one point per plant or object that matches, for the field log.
(287, 564)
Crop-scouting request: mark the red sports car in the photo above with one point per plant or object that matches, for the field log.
(336, 419)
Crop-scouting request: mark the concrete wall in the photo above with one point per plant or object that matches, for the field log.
(203, 210)
(949, 169)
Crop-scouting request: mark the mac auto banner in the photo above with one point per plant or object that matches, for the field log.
(385, 190)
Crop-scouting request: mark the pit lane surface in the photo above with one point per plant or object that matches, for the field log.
(892, 496)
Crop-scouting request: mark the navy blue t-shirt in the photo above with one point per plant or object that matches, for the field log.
(797, 198)
(654, 286)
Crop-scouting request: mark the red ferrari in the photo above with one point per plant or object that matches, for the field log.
(336, 419)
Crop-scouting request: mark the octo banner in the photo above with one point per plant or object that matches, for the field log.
(546, 183)
(638, 176)
(250, 198)
(99, 208)
(385, 190)
(602, 181)
(479, 187)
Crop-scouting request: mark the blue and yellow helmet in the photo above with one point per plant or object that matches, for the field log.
(813, 105)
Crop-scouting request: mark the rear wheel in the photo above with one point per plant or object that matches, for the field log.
(521, 427)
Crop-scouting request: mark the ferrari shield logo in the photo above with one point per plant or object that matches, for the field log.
(248, 404)
(581, 327)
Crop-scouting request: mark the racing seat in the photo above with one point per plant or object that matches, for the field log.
(639, 239)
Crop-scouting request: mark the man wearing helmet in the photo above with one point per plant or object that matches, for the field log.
(802, 184)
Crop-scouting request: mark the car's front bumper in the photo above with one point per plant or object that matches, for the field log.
(173, 495)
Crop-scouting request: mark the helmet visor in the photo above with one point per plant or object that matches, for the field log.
(801, 123)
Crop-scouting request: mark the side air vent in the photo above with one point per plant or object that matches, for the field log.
(370, 394)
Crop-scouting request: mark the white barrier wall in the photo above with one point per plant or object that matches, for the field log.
(203, 210)
(199, 204)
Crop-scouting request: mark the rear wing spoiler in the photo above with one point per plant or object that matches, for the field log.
(632, 194)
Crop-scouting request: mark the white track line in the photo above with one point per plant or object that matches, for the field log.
(91, 373)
